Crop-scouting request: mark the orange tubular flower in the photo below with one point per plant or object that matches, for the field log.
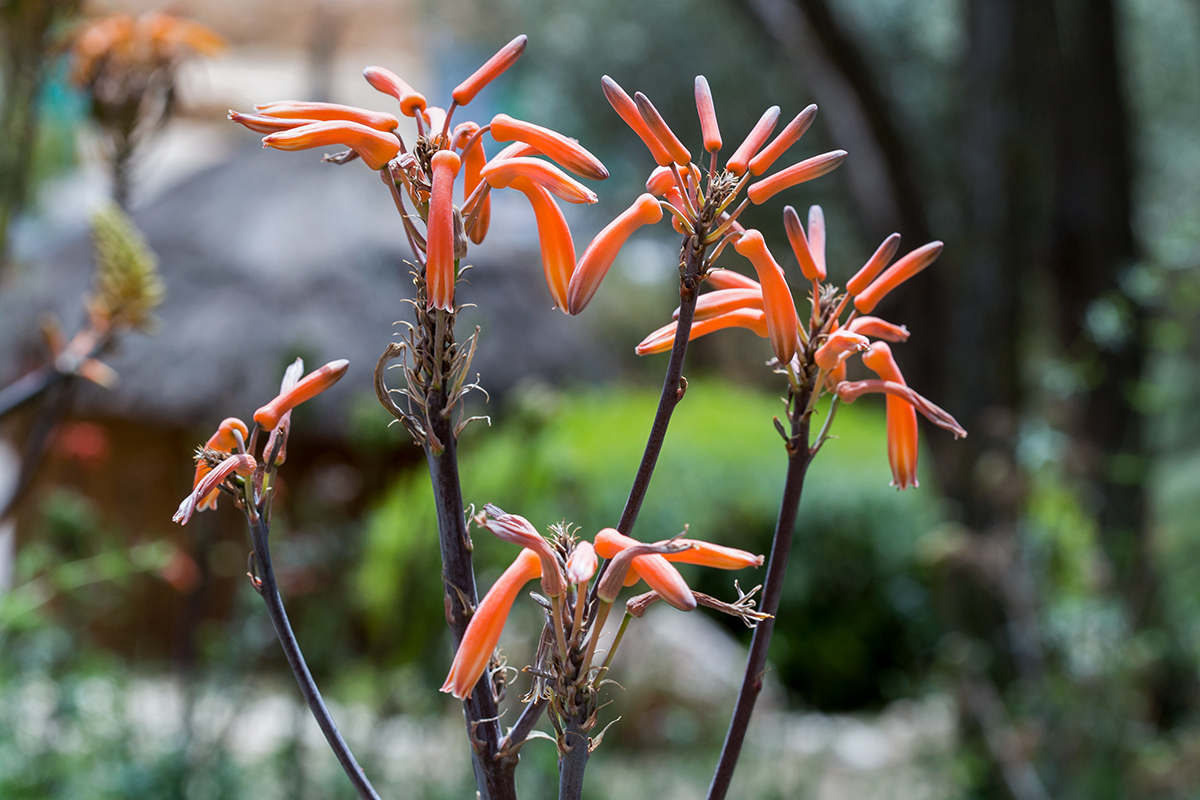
(440, 272)
(816, 236)
(786, 138)
(849, 392)
(329, 112)
(483, 631)
(799, 242)
(435, 117)
(729, 279)
(558, 249)
(875, 264)
(374, 147)
(567, 152)
(897, 274)
(661, 130)
(722, 301)
(662, 339)
(652, 568)
(261, 123)
(901, 418)
(777, 298)
(473, 163)
(241, 464)
(384, 80)
(739, 162)
(505, 57)
(806, 170)
(708, 115)
(603, 250)
(499, 173)
(624, 106)
(877, 328)
(307, 388)
(582, 563)
(838, 347)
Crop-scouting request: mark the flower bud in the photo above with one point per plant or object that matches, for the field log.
(504, 58)
(603, 250)
(806, 170)
(786, 138)
(740, 160)
(440, 268)
(565, 151)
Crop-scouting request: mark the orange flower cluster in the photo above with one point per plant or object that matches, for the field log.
(697, 207)
(766, 307)
(565, 568)
(121, 44)
(232, 445)
(426, 174)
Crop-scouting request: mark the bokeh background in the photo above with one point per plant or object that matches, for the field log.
(1025, 625)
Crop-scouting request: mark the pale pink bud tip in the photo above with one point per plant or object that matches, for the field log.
(806, 170)
(307, 388)
(582, 563)
(708, 115)
(505, 57)
(602, 252)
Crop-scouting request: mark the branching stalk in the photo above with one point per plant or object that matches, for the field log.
(259, 535)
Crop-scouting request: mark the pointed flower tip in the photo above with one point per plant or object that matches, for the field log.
(796, 174)
(375, 147)
(623, 104)
(582, 563)
(882, 256)
(786, 138)
(602, 252)
(307, 388)
(504, 58)
(661, 131)
(896, 274)
(739, 162)
(564, 150)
